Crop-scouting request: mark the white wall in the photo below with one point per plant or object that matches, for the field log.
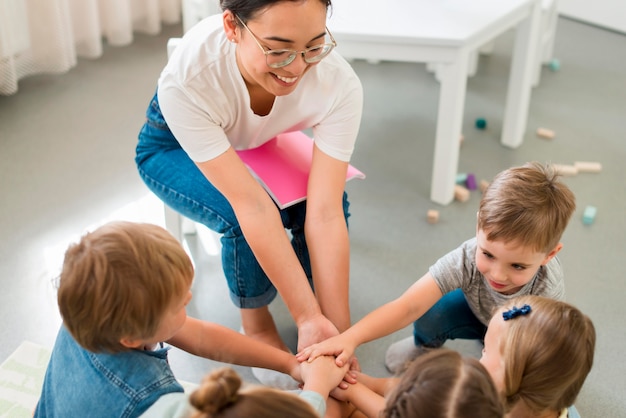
(610, 14)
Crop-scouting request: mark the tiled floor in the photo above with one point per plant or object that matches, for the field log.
(66, 162)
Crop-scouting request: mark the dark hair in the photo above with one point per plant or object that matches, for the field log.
(248, 9)
(446, 385)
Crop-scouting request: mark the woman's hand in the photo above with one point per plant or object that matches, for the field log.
(315, 330)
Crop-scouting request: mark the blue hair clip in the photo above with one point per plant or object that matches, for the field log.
(515, 312)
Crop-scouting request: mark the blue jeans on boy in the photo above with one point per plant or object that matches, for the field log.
(170, 174)
(449, 318)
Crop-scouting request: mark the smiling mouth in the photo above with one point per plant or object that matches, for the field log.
(288, 80)
(496, 285)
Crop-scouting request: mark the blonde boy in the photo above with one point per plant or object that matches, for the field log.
(122, 292)
(521, 219)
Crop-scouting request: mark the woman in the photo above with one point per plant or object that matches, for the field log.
(235, 81)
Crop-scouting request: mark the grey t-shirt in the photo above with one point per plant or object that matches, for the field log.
(457, 270)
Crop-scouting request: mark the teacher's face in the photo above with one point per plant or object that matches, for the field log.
(295, 25)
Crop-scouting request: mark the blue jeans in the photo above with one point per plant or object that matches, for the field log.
(170, 174)
(448, 319)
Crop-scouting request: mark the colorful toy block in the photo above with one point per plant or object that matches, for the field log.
(554, 64)
(589, 215)
(481, 123)
(470, 182)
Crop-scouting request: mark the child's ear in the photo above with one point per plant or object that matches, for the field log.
(131, 342)
(552, 253)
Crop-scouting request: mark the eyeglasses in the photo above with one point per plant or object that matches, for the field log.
(277, 58)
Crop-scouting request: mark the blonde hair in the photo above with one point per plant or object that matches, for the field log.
(528, 205)
(119, 281)
(444, 384)
(220, 396)
(547, 353)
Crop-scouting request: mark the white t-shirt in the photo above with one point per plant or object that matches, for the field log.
(206, 105)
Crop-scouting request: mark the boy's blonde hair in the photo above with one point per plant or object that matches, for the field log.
(219, 396)
(528, 205)
(547, 353)
(446, 385)
(120, 281)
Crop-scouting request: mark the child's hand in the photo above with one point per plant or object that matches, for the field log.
(338, 346)
(295, 371)
(322, 375)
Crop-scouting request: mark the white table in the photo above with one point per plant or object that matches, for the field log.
(445, 32)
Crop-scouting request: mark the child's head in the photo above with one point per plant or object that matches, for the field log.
(447, 385)
(527, 205)
(124, 285)
(219, 396)
(541, 355)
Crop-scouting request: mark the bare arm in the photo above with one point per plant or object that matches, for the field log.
(216, 342)
(391, 317)
(264, 232)
(327, 237)
(380, 385)
(363, 398)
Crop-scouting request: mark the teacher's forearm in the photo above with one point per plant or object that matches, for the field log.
(272, 249)
(329, 250)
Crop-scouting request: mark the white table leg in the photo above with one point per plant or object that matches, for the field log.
(521, 79)
(449, 122)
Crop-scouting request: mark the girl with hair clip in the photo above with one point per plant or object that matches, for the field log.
(539, 352)
(438, 384)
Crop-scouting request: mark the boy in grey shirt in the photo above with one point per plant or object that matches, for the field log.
(522, 216)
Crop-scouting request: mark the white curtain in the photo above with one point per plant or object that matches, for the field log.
(46, 36)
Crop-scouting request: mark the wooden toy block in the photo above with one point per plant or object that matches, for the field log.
(461, 178)
(483, 185)
(470, 182)
(432, 216)
(546, 133)
(588, 166)
(589, 215)
(461, 193)
(565, 170)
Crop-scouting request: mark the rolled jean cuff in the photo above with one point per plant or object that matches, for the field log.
(253, 302)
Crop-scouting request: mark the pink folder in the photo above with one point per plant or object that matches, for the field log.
(282, 167)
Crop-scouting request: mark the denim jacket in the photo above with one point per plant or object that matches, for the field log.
(79, 383)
